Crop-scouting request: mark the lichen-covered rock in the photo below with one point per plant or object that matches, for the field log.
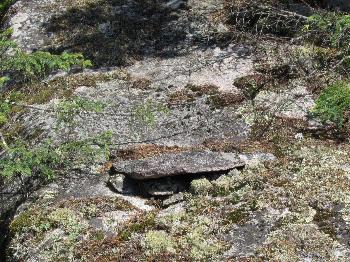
(297, 242)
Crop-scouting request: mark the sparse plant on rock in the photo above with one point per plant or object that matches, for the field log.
(72, 107)
(148, 111)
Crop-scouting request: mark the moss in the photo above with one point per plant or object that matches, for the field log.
(222, 100)
(63, 87)
(138, 225)
(13, 131)
(31, 219)
(325, 219)
(237, 216)
(181, 96)
(250, 85)
(201, 90)
(144, 151)
(221, 145)
(141, 83)
(103, 249)
(40, 220)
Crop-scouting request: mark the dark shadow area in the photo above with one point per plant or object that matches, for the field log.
(117, 32)
(160, 188)
(333, 5)
(13, 193)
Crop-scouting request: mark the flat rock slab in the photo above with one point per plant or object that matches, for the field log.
(185, 163)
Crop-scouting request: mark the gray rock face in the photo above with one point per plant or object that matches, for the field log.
(185, 123)
(185, 163)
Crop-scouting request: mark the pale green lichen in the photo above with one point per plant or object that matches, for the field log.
(248, 113)
(158, 241)
(66, 219)
(202, 246)
(201, 186)
(173, 221)
(224, 185)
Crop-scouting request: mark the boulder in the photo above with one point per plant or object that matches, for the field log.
(175, 164)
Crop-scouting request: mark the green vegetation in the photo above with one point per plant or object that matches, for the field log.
(237, 216)
(4, 5)
(334, 104)
(19, 66)
(7, 105)
(140, 225)
(47, 158)
(22, 159)
(329, 29)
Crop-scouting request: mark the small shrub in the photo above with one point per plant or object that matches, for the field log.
(85, 151)
(20, 160)
(19, 66)
(46, 159)
(334, 103)
(329, 29)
